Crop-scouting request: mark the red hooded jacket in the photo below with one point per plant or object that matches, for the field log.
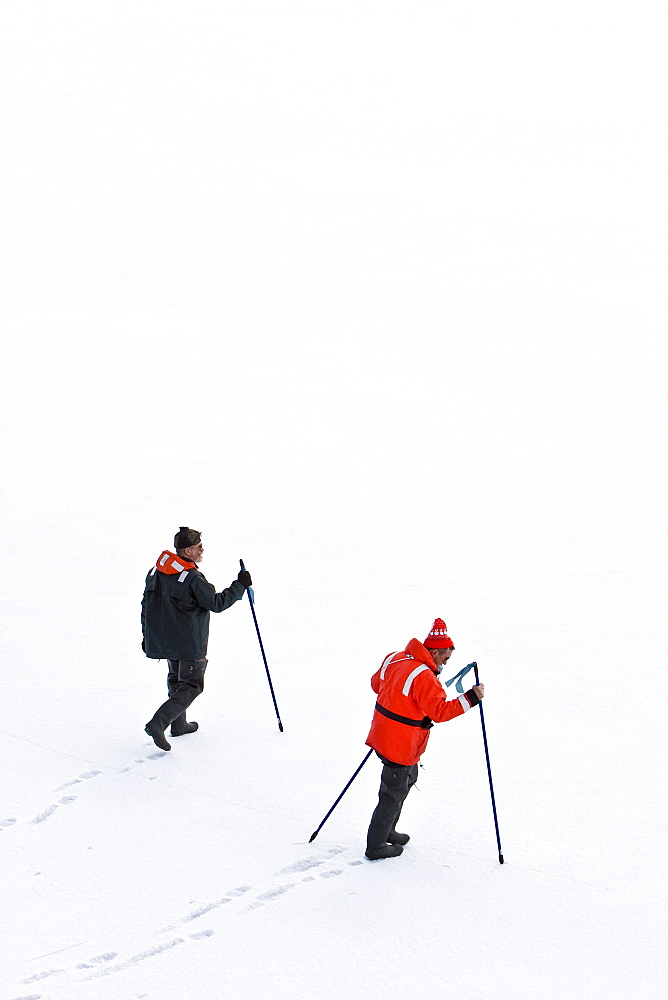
(408, 689)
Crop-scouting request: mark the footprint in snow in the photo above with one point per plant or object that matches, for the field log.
(50, 810)
(77, 781)
(97, 960)
(302, 865)
(142, 760)
(207, 907)
(266, 897)
(7, 822)
(42, 975)
(45, 815)
(65, 801)
(68, 784)
(332, 872)
(99, 964)
(136, 959)
(142, 956)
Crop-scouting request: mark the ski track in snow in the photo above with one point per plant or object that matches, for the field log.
(67, 800)
(308, 869)
(235, 903)
(247, 898)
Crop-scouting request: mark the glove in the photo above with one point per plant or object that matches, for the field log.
(143, 645)
(245, 578)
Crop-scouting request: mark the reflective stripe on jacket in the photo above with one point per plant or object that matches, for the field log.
(408, 689)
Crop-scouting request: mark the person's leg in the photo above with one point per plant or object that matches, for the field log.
(173, 683)
(172, 676)
(190, 684)
(393, 836)
(395, 784)
(180, 726)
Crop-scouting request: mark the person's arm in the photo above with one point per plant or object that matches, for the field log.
(433, 700)
(206, 596)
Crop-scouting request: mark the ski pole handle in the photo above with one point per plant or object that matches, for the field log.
(249, 590)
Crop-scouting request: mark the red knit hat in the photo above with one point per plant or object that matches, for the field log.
(438, 638)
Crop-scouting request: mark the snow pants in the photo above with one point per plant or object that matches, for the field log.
(396, 782)
(185, 681)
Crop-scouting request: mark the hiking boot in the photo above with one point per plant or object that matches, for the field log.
(157, 735)
(386, 851)
(397, 838)
(190, 727)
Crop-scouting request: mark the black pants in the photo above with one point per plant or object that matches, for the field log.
(396, 782)
(185, 681)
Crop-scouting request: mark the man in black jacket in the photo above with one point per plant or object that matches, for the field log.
(175, 613)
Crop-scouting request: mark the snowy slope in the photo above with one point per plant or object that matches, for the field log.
(137, 872)
(372, 295)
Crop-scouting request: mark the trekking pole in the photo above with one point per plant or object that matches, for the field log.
(316, 832)
(251, 601)
(489, 770)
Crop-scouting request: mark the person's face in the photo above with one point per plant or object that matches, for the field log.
(194, 553)
(441, 657)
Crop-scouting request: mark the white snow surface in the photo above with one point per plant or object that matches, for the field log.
(372, 294)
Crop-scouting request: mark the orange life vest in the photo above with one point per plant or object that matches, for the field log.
(169, 563)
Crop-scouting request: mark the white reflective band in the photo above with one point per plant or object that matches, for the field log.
(164, 559)
(177, 565)
(388, 660)
(464, 702)
(183, 576)
(386, 663)
(411, 677)
(154, 570)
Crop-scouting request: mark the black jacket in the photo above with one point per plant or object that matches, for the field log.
(175, 609)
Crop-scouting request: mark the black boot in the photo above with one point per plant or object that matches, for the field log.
(386, 851)
(181, 727)
(397, 838)
(157, 735)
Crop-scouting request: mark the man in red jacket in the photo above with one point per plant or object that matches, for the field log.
(410, 701)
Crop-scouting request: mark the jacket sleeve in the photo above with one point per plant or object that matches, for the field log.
(205, 594)
(375, 681)
(433, 701)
